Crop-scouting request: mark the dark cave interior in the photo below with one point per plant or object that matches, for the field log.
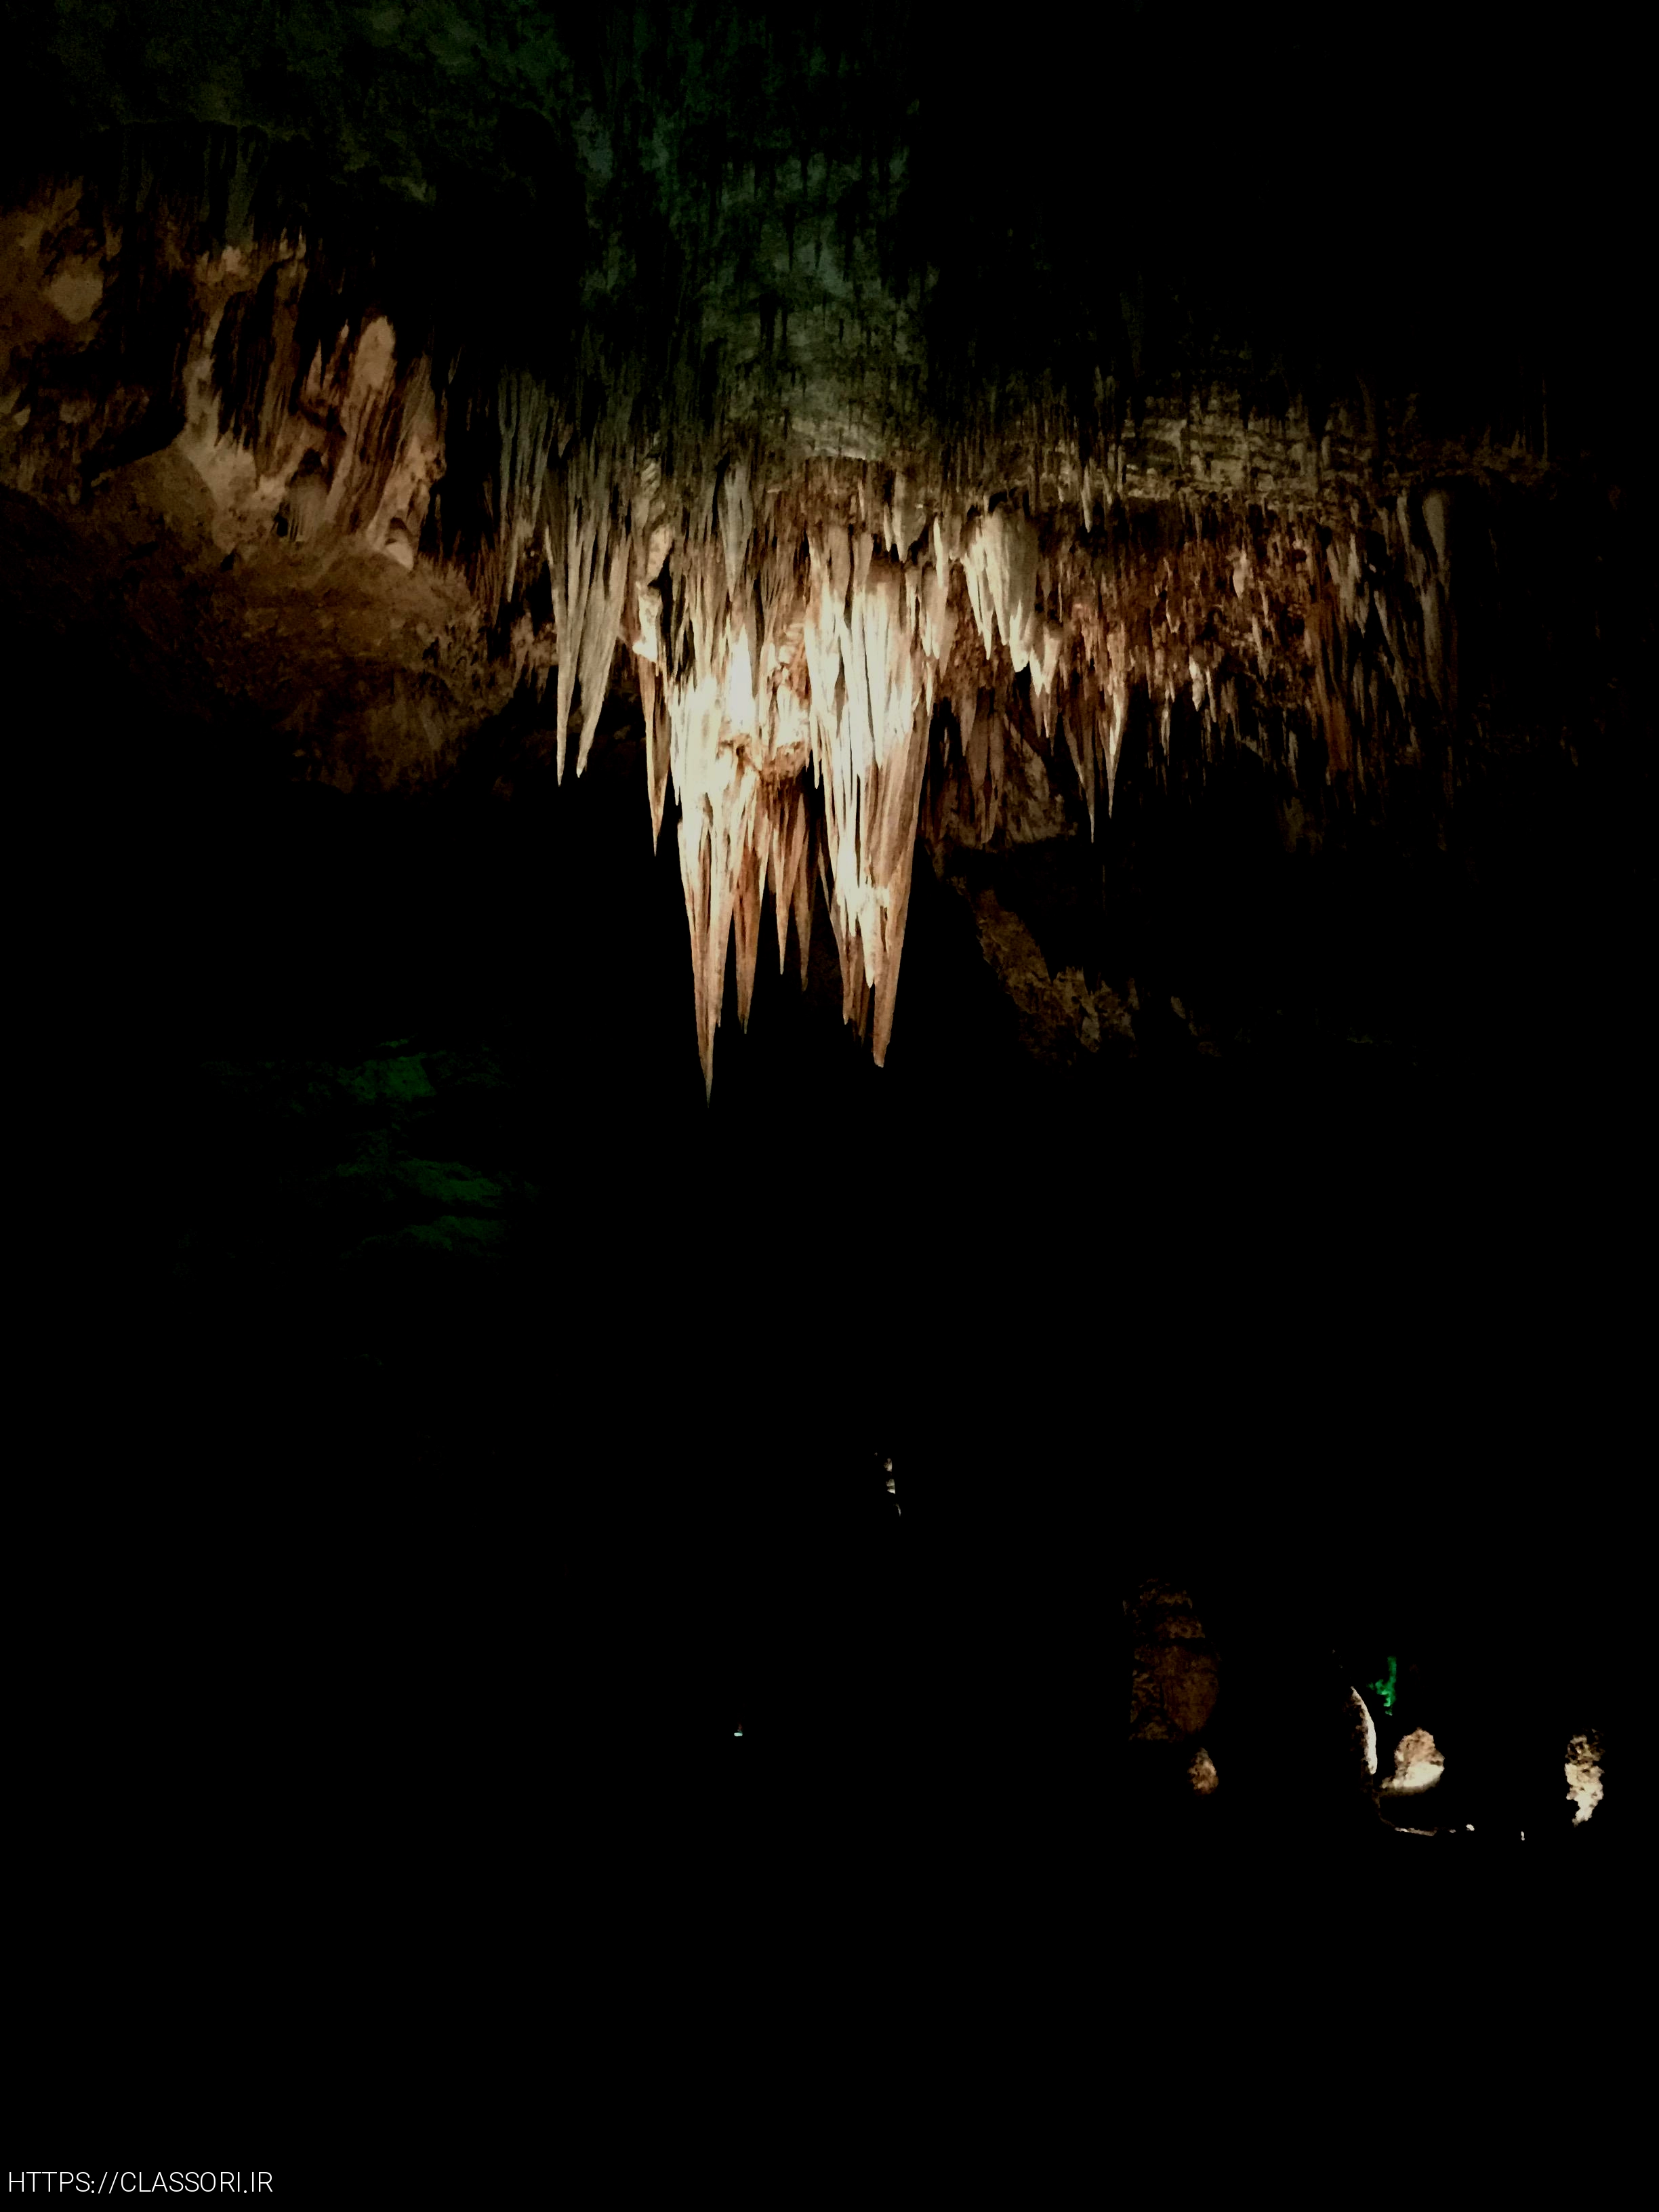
(1253, 1198)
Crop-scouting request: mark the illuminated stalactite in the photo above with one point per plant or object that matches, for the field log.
(834, 656)
(854, 662)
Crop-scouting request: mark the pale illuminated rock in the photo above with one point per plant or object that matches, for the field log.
(1583, 1776)
(1364, 1729)
(1418, 1766)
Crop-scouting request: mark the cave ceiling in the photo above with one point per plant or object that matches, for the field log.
(907, 423)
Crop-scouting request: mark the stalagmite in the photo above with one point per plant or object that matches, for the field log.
(1583, 1774)
(1418, 1766)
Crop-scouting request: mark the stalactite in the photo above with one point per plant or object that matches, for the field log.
(531, 436)
(818, 640)
(834, 665)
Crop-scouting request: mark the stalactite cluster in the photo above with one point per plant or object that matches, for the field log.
(834, 653)
(841, 630)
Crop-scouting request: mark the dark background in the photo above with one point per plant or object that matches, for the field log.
(1311, 1278)
(1350, 1338)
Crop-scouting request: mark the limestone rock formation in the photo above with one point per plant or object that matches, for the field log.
(1419, 1764)
(1584, 1773)
(859, 591)
(1060, 1017)
(831, 657)
(438, 403)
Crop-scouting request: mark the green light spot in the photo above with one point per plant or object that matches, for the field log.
(1384, 1686)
